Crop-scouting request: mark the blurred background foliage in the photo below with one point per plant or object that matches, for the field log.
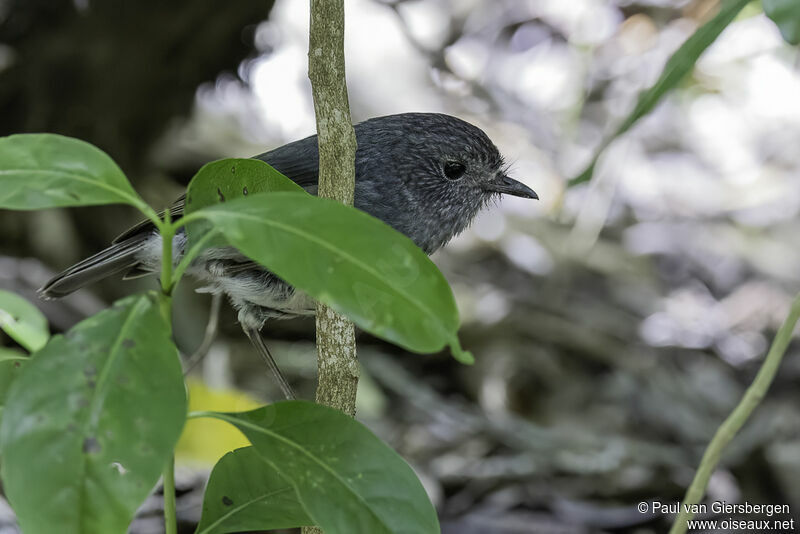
(615, 323)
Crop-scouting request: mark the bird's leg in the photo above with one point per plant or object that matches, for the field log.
(261, 347)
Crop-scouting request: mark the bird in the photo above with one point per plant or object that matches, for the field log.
(427, 175)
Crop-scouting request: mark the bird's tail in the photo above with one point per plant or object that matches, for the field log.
(119, 257)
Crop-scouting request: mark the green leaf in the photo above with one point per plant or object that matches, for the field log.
(11, 363)
(23, 321)
(245, 493)
(786, 14)
(8, 354)
(231, 178)
(227, 179)
(346, 478)
(91, 421)
(348, 260)
(46, 171)
(677, 67)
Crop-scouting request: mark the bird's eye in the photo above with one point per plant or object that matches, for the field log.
(454, 170)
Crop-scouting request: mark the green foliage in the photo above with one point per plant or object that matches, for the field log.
(91, 420)
(23, 321)
(231, 178)
(346, 478)
(11, 363)
(245, 493)
(47, 171)
(786, 14)
(677, 67)
(346, 259)
(227, 179)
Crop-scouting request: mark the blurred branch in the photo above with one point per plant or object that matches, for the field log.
(752, 398)
(544, 445)
(677, 67)
(210, 334)
(436, 55)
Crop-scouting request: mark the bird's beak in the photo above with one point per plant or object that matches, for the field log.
(508, 186)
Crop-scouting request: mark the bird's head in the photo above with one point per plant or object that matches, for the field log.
(448, 168)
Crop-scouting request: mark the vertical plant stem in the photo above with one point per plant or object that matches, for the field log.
(725, 433)
(336, 353)
(170, 514)
(337, 361)
(336, 344)
(167, 230)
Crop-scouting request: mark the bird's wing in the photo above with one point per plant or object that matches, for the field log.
(298, 161)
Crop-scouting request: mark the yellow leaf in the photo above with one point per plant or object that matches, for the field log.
(204, 440)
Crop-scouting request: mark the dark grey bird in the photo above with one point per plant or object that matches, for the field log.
(425, 174)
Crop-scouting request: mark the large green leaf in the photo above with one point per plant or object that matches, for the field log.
(245, 493)
(677, 67)
(348, 481)
(11, 363)
(348, 260)
(46, 171)
(23, 321)
(91, 421)
(227, 179)
(786, 14)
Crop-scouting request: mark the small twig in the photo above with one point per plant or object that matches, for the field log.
(435, 55)
(210, 335)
